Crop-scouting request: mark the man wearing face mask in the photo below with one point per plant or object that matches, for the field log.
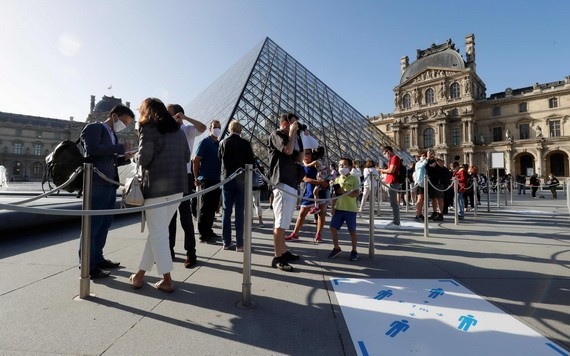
(103, 149)
(235, 152)
(207, 170)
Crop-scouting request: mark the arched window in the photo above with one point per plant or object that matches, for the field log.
(429, 138)
(406, 102)
(429, 96)
(454, 90)
(557, 164)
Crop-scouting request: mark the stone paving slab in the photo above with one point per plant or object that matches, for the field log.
(519, 262)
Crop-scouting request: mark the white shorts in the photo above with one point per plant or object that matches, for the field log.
(283, 205)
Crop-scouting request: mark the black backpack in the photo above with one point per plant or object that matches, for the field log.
(402, 172)
(61, 163)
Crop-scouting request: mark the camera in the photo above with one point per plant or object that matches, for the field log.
(301, 126)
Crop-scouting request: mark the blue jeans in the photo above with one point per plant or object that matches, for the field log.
(233, 194)
(102, 197)
(460, 206)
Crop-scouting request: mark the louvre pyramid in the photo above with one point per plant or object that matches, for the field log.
(267, 82)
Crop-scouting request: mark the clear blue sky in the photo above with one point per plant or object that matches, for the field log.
(55, 54)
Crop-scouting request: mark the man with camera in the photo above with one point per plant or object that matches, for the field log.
(285, 148)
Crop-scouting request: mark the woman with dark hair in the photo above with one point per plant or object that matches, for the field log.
(163, 155)
(311, 181)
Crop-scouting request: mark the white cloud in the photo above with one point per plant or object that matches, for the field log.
(69, 44)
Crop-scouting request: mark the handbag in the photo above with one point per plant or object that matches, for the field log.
(132, 191)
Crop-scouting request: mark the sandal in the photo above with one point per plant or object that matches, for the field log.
(159, 285)
(132, 281)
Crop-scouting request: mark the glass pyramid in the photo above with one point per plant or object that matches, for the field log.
(267, 82)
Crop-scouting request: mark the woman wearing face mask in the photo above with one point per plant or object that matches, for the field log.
(163, 155)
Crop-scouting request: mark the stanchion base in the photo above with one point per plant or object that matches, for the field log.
(79, 299)
(241, 305)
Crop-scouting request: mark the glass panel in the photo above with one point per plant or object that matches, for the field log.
(268, 82)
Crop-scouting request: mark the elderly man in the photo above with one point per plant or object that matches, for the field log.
(234, 152)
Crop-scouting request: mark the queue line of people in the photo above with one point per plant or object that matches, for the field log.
(165, 141)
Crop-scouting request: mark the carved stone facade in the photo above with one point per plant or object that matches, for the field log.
(26, 140)
(441, 103)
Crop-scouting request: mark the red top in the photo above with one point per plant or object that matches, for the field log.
(393, 177)
(461, 180)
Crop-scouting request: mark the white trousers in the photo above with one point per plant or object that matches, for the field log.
(365, 194)
(157, 248)
(256, 202)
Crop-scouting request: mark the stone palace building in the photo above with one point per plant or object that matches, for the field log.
(26, 140)
(441, 103)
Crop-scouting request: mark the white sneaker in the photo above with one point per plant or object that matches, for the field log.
(391, 225)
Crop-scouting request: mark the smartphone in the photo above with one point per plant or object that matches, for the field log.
(336, 187)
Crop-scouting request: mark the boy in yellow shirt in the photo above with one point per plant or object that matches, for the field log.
(344, 209)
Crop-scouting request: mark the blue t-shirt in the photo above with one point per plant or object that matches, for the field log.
(311, 172)
(210, 165)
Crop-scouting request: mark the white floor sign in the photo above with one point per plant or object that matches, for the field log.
(431, 317)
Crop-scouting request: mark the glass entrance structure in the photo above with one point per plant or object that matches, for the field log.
(267, 82)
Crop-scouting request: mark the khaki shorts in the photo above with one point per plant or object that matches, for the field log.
(283, 205)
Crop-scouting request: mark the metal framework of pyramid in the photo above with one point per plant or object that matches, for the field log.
(267, 82)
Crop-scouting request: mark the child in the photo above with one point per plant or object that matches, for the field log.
(344, 209)
(323, 173)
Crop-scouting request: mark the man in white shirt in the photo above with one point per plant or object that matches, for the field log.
(193, 129)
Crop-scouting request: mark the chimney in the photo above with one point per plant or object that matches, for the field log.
(92, 103)
(470, 51)
(128, 104)
(71, 118)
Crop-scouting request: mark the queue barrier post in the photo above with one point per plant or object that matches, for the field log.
(567, 185)
(371, 220)
(475, 194)
(455, 198)
(407, 195)
(84, 284)
(426, 200)
(488, 197)
(248, 216)
(512, 187)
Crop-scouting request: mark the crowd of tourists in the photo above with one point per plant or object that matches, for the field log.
(166, 138)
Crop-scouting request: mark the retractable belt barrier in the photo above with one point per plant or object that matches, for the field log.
(246, 302)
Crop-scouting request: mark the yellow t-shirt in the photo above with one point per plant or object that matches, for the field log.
(347, 183)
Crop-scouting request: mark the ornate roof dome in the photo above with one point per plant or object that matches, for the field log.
(442, 56)
(106, 104)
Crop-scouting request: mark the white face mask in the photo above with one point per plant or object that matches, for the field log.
(119, 126)
(344, 171)
(217, 132)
